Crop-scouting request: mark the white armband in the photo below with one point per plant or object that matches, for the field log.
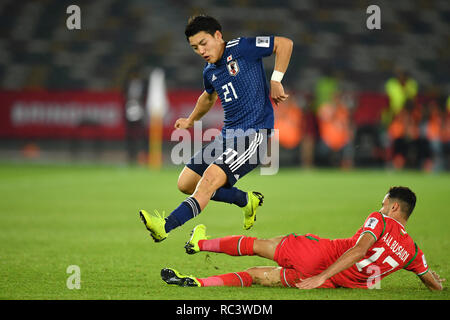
(277, 76)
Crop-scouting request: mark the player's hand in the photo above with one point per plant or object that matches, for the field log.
(437, 277)
(310, 283)
(183, 123)
(277, 92)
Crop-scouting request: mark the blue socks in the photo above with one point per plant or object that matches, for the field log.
(190, 208)
(231, 195)
(187, 210)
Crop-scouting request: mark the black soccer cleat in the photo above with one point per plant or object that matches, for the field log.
(171, 276)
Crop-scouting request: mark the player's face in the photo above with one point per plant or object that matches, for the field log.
(207, 46)
(385, 208)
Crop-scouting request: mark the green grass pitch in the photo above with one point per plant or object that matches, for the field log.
(52, 217)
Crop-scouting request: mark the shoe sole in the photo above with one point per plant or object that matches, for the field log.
(144, 221)
(189, 246)
(170, 277)
(260, 197)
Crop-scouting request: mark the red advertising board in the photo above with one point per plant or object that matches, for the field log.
(100, 114)
(85, 114)
(182, 102)
(61, 114)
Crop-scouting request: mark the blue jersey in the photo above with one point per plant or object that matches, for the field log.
(240, 82)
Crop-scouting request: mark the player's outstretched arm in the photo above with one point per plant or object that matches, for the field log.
(204, 104)
(283, 49)
(345, 261)
(432, 280)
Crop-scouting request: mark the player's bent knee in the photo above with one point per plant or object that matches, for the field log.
(187, 181)
(212, 179)
(266, 276)
(186, 188)
(254, 273)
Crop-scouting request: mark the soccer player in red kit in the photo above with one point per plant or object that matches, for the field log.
(380, 247)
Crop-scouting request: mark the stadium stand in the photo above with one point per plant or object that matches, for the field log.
(38, 52)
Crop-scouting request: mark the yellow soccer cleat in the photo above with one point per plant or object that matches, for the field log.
(197, 234)
(255, 199)
(171, 276)
(155, 224)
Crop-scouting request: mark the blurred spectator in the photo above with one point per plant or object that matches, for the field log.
(433, 126)
(397, 135)
(401, 89)
(325, 88)
(335, 128)
(409, 144)
(445, 135)
(289, 122)
(369, 150)
(311, 133)
(135, 115)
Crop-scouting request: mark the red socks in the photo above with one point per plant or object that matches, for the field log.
(235, 279)
(231, 245)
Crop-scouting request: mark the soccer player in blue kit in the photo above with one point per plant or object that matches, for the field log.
(234, 73)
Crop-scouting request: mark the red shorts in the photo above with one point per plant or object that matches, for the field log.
(303, 256)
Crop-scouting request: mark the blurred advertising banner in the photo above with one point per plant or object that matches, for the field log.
(61, 114)
(86, 114)
(182, 103)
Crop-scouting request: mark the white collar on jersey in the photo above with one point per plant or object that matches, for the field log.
(395, 221)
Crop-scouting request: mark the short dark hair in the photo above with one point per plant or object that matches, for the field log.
(406, 198)
(201, 22)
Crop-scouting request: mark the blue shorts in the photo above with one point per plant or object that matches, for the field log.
(237, 156)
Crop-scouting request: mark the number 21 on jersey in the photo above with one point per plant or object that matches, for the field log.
(378, 252)
(226, 92)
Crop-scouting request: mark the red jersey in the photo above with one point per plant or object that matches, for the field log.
(393, 250)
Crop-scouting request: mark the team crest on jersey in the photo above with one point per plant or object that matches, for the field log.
(233, 68)
(371, 223)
